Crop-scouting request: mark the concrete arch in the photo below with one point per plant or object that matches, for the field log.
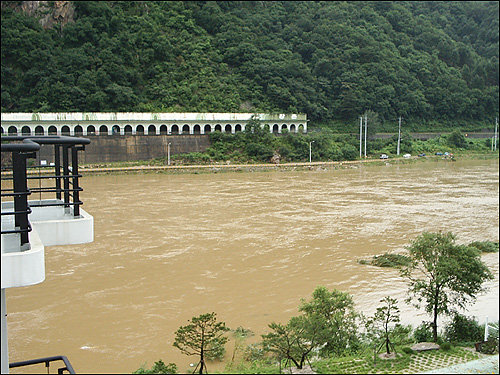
(292, 128)
(115, 129)
(185, 129)
(39, 130)
(284, 127)
(52, 130)
(91, 130)
(103, 130)
(218, 128)
(12, 130)
(26, 130)
(151, 130)
(237, 128)
(139, 130)
(175, 129)
(78, 130)
(127, 130)
(197, 129)
(207, 129)
(2, 130)
(228, 128)
(163, 129)
(65, 130)
(275, 129)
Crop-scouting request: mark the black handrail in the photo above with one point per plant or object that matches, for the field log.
(27, 146)
(46, 360)
(48, 140)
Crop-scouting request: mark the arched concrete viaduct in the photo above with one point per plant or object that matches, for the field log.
(142, 123)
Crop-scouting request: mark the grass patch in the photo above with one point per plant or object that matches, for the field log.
(485, 246)
(399, 260)
(387, 260)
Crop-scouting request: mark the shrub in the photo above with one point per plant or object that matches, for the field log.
(463, 329)
(485, 246)
(423, 332)
(446, 346)
(159, 368)
(490, 346)
(457, 139)
(407, 350)
(349, 152)
(259, 151)
(390, 260)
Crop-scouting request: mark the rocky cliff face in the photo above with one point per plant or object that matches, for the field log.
(48, 12)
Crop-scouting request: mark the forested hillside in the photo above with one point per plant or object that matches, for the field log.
(433, 63)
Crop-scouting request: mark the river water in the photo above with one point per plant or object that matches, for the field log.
(247, 246)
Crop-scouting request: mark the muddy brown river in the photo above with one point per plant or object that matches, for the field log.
(247, 246)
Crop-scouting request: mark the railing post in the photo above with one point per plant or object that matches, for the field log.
(66, 174)
(20, 185)
(57, 162)
(76, 192)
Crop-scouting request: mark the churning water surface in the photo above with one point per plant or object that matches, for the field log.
(247, 246)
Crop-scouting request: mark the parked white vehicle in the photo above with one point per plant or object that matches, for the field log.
(407, 155)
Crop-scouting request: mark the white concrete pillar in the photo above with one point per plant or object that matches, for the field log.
(5, 347)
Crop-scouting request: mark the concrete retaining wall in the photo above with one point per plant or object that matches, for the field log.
(112, 148)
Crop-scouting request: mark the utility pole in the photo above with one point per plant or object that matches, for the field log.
(399, 134)
(168, 150)
(496, 125)
(366, 124)
(360, 135)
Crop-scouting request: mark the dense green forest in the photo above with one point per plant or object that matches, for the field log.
(433, 63)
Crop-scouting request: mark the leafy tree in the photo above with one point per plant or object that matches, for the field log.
(202, 336)
(336, 309)
(457, 139)
(380, 322)
(442, 275)
(296, 340)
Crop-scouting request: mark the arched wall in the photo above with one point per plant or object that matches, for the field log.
(60, 125)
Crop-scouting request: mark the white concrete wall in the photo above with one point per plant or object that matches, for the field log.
(24, 268)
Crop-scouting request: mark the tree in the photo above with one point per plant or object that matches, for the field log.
(240, 335)
(457, 139)
(383, 317)
(443, 276)
(336, 309)
(296, 340)
(202, 335)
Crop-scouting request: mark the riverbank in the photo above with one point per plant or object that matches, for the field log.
(229, 167)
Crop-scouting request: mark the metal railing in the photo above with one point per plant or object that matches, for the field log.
(65, 176)
(47, 361)
(19, 191)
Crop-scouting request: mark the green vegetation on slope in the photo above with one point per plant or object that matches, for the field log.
(434, 63)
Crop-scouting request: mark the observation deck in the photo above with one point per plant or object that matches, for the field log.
(52, 216)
